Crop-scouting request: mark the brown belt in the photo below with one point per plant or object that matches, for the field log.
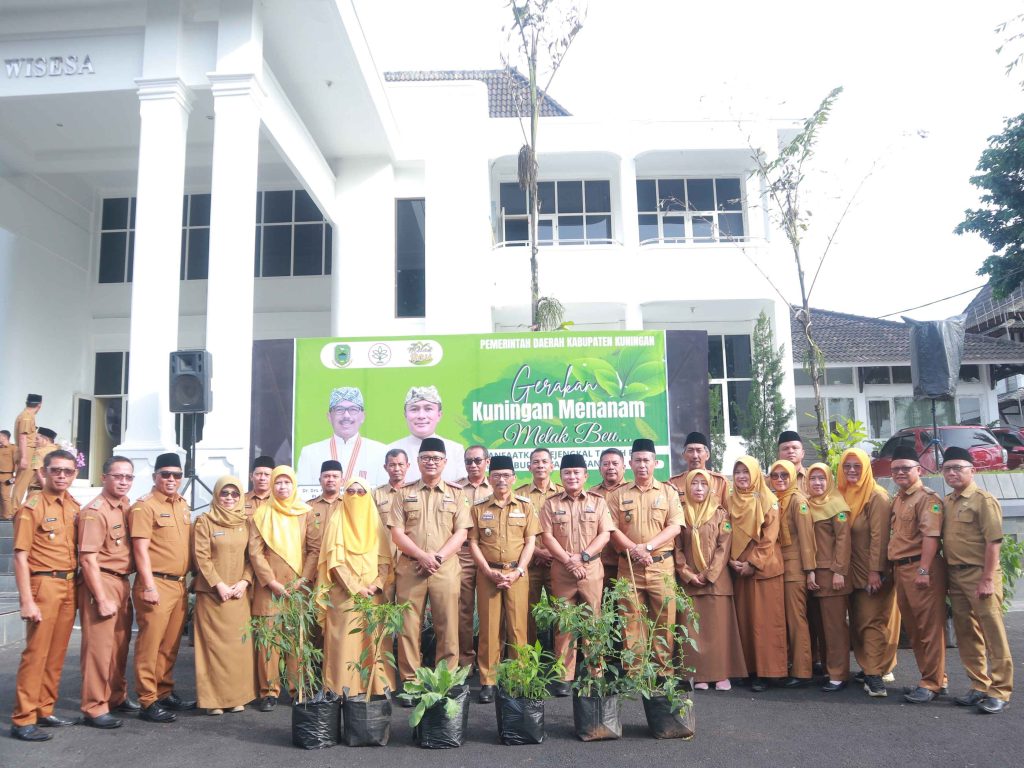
(964, 566)
(65, 575)
(169, 577)
(115, 573)
(908, 560)
(503, 566)
(662, 556)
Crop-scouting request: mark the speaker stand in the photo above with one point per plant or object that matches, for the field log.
(192, 479)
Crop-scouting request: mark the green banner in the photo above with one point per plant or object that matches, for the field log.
(570, 392)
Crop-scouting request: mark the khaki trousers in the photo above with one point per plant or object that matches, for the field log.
(500, 609)
(7, 509)
(156, 646)
(923, 612)
(46, 643)
(798, 629)
(588, 590)
(540, 576)
(875, 629)
(467, 602)
(980, 632)
(104, 647)
(22, 480)
(442, 590)
(655, 595)
(837, 636)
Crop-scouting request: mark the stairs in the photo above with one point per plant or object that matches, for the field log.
(11, 628)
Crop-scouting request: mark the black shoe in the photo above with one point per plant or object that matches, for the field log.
(796, 682)
(818, 669)
(127, 706)
(874, 686)
(859, 677)
(106, 721)
(990, 705)
(267, 704)
(52, 721)
(943, 691)
(562, 689)
(29, 733)
(758, 684)
(970, 699)
(176, 704)
(833, 685)
(919, 696)
(486, 694)
(154, 713)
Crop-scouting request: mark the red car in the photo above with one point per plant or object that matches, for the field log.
(983, 446)
(1012, 439)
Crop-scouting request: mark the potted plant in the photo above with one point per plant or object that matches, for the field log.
(523, 682)
(668, 708)
(292, 632)
(367, 717)
(440, 700)
(595, 700)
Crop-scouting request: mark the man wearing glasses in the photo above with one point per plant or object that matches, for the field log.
(44, 569)
(476, 487)
(359, 456)
(429, 521)
(160, 525)
(105, 552)
(972, 533)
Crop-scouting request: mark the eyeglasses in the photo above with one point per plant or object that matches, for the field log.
(476, 460)
(354, 491)
(851, 467)
(169, 475)
(122, 478)
(350, 411)
(432, 459)
(779, 475)
(957, 468)
(231, 494)
(503, 476)
(903, 470)
(61, 471)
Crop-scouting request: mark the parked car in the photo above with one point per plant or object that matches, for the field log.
(980, 442)
(1012, 439)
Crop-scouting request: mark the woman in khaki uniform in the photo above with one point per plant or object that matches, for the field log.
(756, 560)
(829, 582)
(701, 554)
(355, 558)
(224, 651)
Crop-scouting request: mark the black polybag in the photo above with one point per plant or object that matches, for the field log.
(663, 723)
(367, 723)
(315, 721)
(436, 730)
(520, 721)
(596, 717)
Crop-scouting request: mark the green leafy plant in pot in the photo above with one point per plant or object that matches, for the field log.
(523, 683)
(440, 699)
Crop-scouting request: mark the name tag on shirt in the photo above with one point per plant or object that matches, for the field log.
(487, 516)
(116, 526)
(165, 514)
(51, 519)
(218, 533)
(626, 501)
(589, 509)
(561, 512)
(411, 498)
(517, 514)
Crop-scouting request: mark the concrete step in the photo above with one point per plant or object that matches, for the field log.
(6, 546)
(7, 583)
(6, 563)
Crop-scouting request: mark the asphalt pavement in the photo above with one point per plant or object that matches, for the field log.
(775, 729)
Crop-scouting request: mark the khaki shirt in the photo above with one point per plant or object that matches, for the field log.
(574, 523)
(430, 515)
(608, 555)
(384, 497)
(971, 520)
(166, 521)
(476, 492)
(916, 513)
(501, 528)
(25, 424)
(536, 496)
(320, 512)
(7, 453)
(221, 554)
(45, 528)
(103, 529)
(254, 502)
(643, 514)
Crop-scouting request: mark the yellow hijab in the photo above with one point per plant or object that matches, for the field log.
(354, 537)
(218, 514)
(857, 496)
(785, 537)
(748, 508)
(828, 504)
(280, 521)
(697, 514)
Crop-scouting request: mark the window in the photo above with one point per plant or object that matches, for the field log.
(689, 210)
(195, 237)
(832, 376)
(110, 388)
(878, 374)
(918, 413)
(970, 373)
(836, 409)
(879, 419)
(117, 240)
(729, 368)
(570, 213)
(970, 410)
(410, 258)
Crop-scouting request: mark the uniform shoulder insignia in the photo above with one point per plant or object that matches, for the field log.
(379, 487)
(410, 483)
(936, 509)
(455, 486)
(144, 497)
(32, 500)
(524, 499)
(73, 503)
(524, 488)
(483, 500)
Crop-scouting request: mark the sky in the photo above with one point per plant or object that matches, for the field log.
(924, 89)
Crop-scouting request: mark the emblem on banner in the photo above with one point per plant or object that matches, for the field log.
(342, 355)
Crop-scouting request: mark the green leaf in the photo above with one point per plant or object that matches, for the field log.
(599, 371)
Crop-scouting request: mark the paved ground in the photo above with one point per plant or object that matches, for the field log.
(774, 729)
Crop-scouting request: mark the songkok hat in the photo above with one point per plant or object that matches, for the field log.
(351, 394)
(433, 444)
(789, 436)
(906, 453)
(47, 432)
(697, 438)
(954, 453)
(429, 394)
(167, 460)
(330, 466)
(33, 399)
(264, 461)
(573, 461)
(643, 444)
(502, 462)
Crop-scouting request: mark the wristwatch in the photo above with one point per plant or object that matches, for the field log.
(585, 556)
(648, 547)
(923, 572)
(522, 572)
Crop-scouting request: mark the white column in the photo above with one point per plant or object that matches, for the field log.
(164, 106)
(229, 313)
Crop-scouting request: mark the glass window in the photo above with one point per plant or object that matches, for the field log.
(901, 374)
(115, 213)
(839, 409)
(716, 366)
(570, 229)
(879, 419)
(690, 210)
(672, 194)
(570, 197)
(546, 197)
(587, 203)
(309, 249)
(737, 356)
(648, 227)
(512, 199)
(305, 208)
(410, 258)
(837, 376)
(598, 228)
(198, 254)
(109, 375)
(199, 211)
(728, 194)
(970, 410)
(918, 413)
(878, 374)
(970, 373)
(277, 251)
(277, 207)
(598, 195)
(700, 194)
(739, 392)
(112, 256)
(646, 195)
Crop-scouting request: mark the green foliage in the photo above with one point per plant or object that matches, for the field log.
(528, 672)
(431, 687)
(1011, 560)
(766, 412)
(380, 621)
(1000, 220)
(291, 633)
(847, 433)
(716, 422)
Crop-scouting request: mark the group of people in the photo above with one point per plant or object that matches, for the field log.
(21, 456)
(784, 568)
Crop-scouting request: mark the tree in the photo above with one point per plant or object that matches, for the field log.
(766, 415)
(542, 31)
(1001, 221)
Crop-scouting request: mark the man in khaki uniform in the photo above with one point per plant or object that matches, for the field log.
(791, 448)
(25, 432)
(323, 506)
(428, 522)
(501, 540)
(396, 464)
(476, 487)
(104, 603)
(972, 533)
(160, 524)
(7, 464)
(575, 527)
(648, 516)
(44, 569)
(538, 492)
(612, 466)
(46, 443)
(696, 452)
(259, 484)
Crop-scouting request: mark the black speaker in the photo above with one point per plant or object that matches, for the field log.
(936, 348)
(191, 374)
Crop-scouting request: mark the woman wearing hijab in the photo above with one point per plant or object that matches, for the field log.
(224, 651)
(796, 538)
(756, 561)
(282, 549)
(874, 620)
(355, 558)
(701, 553)
(829, 582)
